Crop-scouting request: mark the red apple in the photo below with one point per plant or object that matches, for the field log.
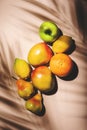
(40, 54)
(42, 78)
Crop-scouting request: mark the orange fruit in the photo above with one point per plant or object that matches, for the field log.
(61, 64)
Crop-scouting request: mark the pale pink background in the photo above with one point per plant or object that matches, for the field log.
(19, 23)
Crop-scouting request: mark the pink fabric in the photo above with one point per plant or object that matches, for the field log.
(19, 23)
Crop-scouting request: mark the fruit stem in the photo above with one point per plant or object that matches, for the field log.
(14, 78)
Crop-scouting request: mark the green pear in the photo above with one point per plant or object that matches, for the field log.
(21, 68)
(34, 104)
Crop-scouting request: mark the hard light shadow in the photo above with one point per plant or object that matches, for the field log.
(72, 48)
(73, 74)
(54, 87)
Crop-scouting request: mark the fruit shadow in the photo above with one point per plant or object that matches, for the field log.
(53, 90)
(54, 87)
(42, 113)
(73, 74)
(33, 94)
(72, 48)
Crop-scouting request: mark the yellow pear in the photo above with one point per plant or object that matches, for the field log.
(21, 68)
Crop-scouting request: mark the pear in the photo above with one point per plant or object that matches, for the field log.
(21, 68)
(34, 104)
(25, 88)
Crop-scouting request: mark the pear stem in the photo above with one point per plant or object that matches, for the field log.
(14, 78)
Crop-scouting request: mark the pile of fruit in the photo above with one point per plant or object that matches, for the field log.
(45, 60)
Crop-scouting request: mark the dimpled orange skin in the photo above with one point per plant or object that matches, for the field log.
(61, 64)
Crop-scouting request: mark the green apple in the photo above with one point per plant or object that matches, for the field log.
(40, 54)
(42, 78)
(49, 31)
(25, 88)
(34, 104)
(21, 68)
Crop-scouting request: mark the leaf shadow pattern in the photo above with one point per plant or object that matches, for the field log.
(14, 123)
(46, 16)
(81, 13)
(7, 67)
